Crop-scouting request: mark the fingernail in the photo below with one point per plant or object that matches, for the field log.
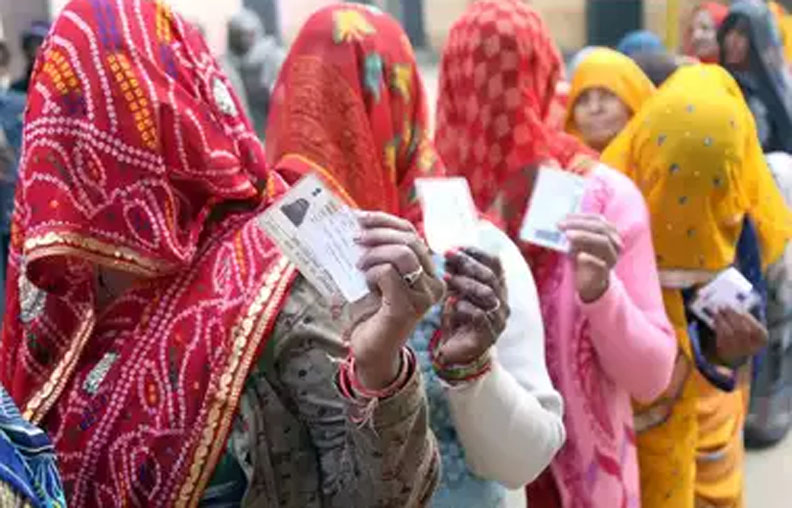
(451, 252)
(447, 277)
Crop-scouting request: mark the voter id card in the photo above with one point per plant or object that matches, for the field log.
(450, 218)
(730, 289)
(556, 195)
(315, 229)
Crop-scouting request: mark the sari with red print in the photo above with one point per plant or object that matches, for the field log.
(497, 122)
(353, 109)
(497, 108)
(132, 139)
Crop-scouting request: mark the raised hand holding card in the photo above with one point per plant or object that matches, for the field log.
(556, 195)
(315, 229)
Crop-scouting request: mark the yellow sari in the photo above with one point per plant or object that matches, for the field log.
(693, 152)
(613, 71)
(784, 21)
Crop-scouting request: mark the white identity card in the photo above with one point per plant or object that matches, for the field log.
(729, 289)
(449, 214)
(556, 195)
(315, 229)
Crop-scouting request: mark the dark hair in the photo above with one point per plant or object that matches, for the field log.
(35, 34)
(658, 66)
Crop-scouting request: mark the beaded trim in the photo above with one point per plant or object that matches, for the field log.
(52, 244)
(247, 334)
(42, 401)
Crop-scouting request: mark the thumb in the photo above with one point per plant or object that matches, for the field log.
(387, 280)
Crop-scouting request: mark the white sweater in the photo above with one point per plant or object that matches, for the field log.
(510, 422)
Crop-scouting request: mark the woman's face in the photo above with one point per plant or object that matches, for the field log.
(704, 35)
(600, 115)
(735, 48)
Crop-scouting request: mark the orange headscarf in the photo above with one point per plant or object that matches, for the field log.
(718, 13)
(498, 81)
(616, 73)
(350, 105)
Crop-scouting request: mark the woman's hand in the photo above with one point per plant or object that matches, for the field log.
(738, 336)
(477, 309)
(401, 275)
(595, 246)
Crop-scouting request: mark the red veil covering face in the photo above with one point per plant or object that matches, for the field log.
(132, 137)
(495, 119)
(350, 105)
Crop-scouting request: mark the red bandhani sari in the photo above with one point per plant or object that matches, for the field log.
(132, 138)
(495, 112)
(352, 107)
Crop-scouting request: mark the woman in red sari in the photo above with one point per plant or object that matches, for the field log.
(349, 104)
(148, 313)
(354, 110)
(607, 336)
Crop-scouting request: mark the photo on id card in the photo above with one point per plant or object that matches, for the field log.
(556, 195)
(315, 229)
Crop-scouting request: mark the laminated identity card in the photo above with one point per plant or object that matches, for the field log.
(315, 229)
(729, 289)
(556, 195)
(450, 218)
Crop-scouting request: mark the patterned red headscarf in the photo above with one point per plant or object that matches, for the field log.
(132, 137)
(498, 81)
(349, 104)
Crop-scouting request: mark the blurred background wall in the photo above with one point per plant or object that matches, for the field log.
(573, 22)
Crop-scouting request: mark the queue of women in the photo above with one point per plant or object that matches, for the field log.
(159, 350)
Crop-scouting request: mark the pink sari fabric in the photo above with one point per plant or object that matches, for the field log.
(600, 355)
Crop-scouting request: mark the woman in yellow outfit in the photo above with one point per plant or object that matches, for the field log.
(784, 21)
(607, 89)
(693, 152)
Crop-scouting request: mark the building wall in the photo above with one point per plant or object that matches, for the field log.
(15, 16)
(566, 18)
(212, 16)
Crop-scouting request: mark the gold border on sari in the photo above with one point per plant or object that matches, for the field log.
(246, 337)
(45, 397)
(91, 249)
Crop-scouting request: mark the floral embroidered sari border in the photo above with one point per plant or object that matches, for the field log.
(247, 335)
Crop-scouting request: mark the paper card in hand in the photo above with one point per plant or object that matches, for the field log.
(729, 289)
(449, 214)
(316, 231)
(556, 195)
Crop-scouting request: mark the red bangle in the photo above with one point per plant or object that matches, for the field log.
(352, 388)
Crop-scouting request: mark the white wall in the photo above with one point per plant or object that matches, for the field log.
(212, 15)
